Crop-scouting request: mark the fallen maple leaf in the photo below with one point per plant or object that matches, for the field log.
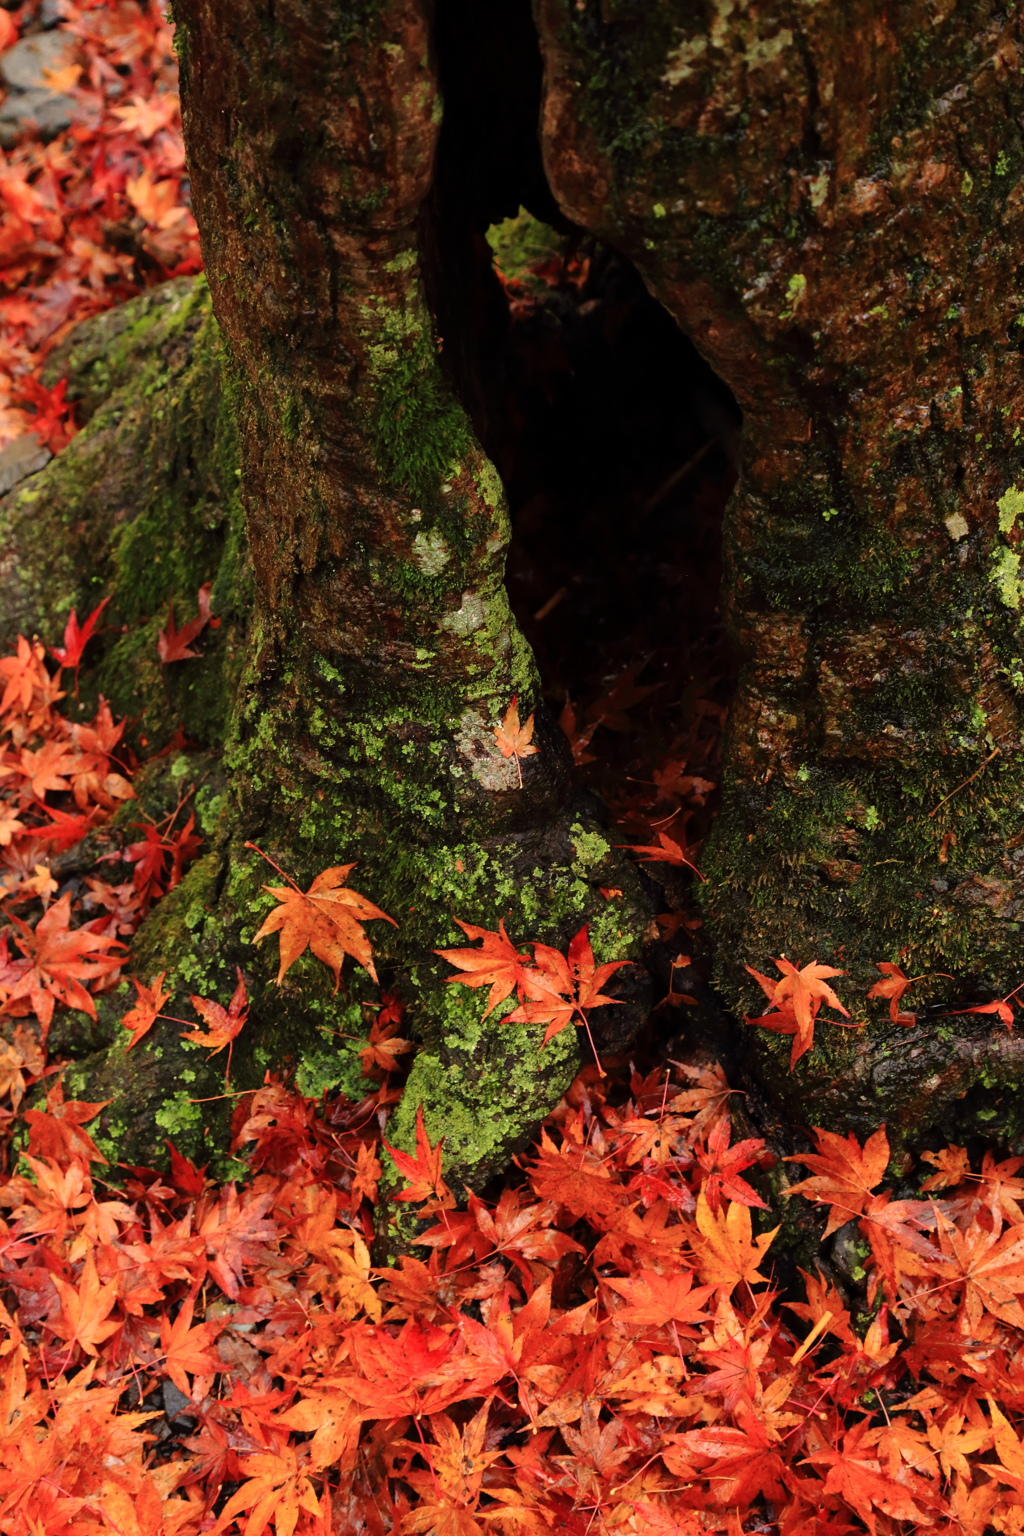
(385, 1044)
(560, 987)
(85, 1309)
(798, 997)
(185, 1348)
(148, 1004)
(497, 963)
(76, 638)
(57, 1133)
(327, 919)
(156, 201)
(844, 1174)
(423, 1172)
(57, 961)
(514, 739)
(223, 1024)
(656, 1300)
(172, 643)
(725, 1249)
(893, 987)
(665, 851)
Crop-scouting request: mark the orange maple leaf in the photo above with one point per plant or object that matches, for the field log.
(844, 1174)
(576, 1178)
(85, 1309)
(278, 1486)
(660, 1299)
(145, 116)
(497, 963)
(156, 201)
(514, 739)
(327, 919)
(725, 1249)
(423, 1171)
(56, 1132)
(223, 1024)
(893, 987)
(384, 1045)
(185, 1348)
(146, 1011)
(798, 997)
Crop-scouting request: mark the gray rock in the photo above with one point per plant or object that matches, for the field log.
(51, 111)
(24, 457)
(22, 66)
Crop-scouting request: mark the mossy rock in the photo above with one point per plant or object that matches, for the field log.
(140, 505)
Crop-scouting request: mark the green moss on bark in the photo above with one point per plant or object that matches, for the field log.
(143, 503)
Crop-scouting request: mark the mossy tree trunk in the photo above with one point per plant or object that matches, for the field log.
(382, 650)
(829, 199)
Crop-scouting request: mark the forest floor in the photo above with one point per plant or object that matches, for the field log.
(617, 1338)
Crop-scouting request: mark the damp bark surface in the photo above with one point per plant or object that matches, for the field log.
(829, 201)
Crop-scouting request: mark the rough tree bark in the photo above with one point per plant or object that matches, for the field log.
(828, 199)
(382, 651)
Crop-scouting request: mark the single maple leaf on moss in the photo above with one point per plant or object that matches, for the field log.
(561, 988)
(514, 739)
(798, 995)
(423, 1171)
(893, 987)
(148, 1004)
(223, 1024)
(328, 919)
(496, 963)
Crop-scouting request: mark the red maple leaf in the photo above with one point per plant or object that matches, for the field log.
(76, 638)
(665, 851)
(173, 643)
(423, 1171)
(58, 960)
(53, 422)
(561, 988)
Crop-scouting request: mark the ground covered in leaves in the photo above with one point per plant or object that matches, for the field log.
(96, 212)
(605, 1344)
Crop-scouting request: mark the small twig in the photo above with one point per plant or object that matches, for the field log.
(965, 783)
(551, 604)
(257, 849)
(678, 476)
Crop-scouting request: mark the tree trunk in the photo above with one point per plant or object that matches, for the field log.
(383, 653)
(829, 201)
